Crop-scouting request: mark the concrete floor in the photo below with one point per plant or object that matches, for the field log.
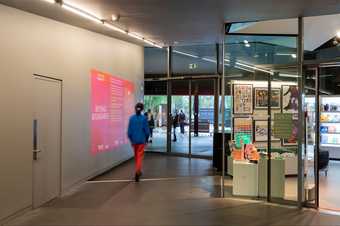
(330, 187)
(174, 192)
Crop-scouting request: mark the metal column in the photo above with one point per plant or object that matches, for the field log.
(169, 118)
(301, 127)
(317, 136)
(190, 119)
(223, 120)
(269, 138)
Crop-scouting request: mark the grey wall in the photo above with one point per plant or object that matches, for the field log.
(31, 44)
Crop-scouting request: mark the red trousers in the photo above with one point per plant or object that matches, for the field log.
(139, 155)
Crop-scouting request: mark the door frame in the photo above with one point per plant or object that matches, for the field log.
(60, 81)
(216, 80)
(317, 65)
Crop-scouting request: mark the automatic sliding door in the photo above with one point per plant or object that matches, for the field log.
(180, 116)
(202, 117)
(155, 101)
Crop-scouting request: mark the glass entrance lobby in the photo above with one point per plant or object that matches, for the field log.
(271, 90)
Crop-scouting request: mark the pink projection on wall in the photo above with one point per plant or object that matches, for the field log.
(112, 103)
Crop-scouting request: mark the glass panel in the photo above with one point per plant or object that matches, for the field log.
(156, 109)
(202, 124)
(180, 113)
(250, 61)
(155, 62)
(194, 60)
(310, 158)
(329, 149)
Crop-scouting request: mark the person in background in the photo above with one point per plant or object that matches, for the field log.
(182, 121)
(151, 123)
(175, 121)
(138, 133)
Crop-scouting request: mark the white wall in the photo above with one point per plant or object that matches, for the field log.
(31, 44)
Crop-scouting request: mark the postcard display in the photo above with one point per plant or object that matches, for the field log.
(330, 125)
(250, 101)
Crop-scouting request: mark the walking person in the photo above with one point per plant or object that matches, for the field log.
(151, 123)
(175, 121)
(182, 121)
(138, 133)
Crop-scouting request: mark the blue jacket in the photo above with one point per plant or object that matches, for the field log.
(138, 131)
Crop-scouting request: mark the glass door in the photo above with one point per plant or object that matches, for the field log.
(328, 132)
(180, 111)
(202, 117)
(310, 153)
(156, 110)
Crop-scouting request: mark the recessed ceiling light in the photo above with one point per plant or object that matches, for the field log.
(293, 55)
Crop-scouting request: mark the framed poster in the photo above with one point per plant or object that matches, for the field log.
(261, 98)
(293, 139)
(261, 131)
(242, 130)
(290, 98)
(243, 99)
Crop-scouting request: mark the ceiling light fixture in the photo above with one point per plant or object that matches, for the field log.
(293, 55)
(115, 28)
(245, 41)
(114, 17)
(288, 75)
(158, 46)
(247, 45)
(136, 36)
(209, 60)
(81, 12)
(90, 16)
(50, 1)
(185, 54)
(149, 42)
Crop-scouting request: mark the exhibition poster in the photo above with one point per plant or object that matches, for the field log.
(243, 99)
(112, 103)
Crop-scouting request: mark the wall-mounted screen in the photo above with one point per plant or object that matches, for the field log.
(112, 103)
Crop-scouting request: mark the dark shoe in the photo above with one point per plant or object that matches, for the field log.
(137, 176)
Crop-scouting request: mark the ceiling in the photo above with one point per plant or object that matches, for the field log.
(178, 21)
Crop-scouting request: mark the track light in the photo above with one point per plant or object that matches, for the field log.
(136, 36)
(85, 14)
(185, 54)
(81, 13)
(50, 1)
(115, 28)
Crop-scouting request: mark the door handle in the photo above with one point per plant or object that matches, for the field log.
(35, 154)
(35, 140)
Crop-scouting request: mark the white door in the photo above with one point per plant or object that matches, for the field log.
(47, 137)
